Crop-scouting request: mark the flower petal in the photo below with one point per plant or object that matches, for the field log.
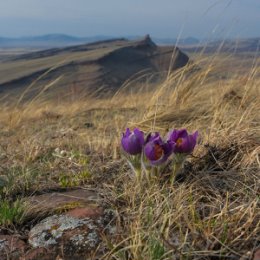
(132, 142)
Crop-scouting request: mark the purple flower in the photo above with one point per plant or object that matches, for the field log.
(183, 142)
(156, 150)
(132, 142)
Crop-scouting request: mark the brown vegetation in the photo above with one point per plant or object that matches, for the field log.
(211, 212)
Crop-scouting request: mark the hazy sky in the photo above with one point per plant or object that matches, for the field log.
(160, 18)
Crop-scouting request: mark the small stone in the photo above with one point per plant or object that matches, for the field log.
(63, 153)
(57, 150)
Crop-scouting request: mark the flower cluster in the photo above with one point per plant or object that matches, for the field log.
(155, 150)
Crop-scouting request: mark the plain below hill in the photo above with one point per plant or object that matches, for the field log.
(101, 67)
(234, 46)
(47, 41)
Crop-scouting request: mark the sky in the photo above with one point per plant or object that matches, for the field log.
(159, 18)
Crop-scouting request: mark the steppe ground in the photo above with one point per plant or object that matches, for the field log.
(213, 209)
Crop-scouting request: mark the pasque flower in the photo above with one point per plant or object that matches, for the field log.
(183, 142)
(132, 142)
(156, 150)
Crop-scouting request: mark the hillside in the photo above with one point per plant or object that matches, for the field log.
(85, 68)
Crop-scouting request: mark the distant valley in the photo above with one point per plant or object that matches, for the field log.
(229, 45)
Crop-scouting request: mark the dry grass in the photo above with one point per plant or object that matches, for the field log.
(211, 212)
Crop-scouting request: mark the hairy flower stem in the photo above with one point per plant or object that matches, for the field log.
(146, 171)
(135, 166)
(177, 166)
(154, 174)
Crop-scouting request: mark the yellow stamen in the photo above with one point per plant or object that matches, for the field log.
(179, 142)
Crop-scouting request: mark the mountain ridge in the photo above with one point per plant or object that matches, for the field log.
(193, 44)
(59, 40)
(105, 64)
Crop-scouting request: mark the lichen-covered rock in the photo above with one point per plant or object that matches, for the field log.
(73, 235)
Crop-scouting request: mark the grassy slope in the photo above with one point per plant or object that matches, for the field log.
(28, 63)
(16, 69)
(213, 211)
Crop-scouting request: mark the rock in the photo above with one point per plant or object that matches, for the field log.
(257, 254)
(145, 42)
(57, 202)
(71, 235)
(87, 212)
(66, 234)
(11, 247)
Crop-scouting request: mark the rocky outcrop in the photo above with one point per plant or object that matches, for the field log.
(141, 59)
